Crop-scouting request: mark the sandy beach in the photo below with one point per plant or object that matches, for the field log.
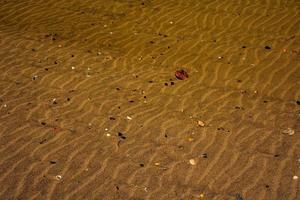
(90, 107)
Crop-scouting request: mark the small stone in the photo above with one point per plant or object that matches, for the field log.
(58, 177)
(157, 164)
(181, 74)
(267, 47)
(288, 131)
(108, 135)
(298, 102)
(201, 195)
(129, 118)
(295, 177)
(239, 197)
(192, 162)
(201, 123)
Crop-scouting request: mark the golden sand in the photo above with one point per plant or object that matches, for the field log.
(90, 107)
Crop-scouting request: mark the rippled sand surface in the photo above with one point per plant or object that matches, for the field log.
(90, 107)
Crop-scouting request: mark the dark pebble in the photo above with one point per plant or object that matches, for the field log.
(166, 84)
(142, 165)
(43, 123)
(244, 47)
(131, 101)
(267, 186)
(265, 101)
(112, 118)
(267, 47)
(43, 141)
(46, 69)
(276, 155)
(52, 162)
(121, 135)
(172, 83)
(204, 155)
(298, 102)
(68, 99)
(152, 42)
(239, 197)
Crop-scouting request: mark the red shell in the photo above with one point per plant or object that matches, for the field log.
(181, 74)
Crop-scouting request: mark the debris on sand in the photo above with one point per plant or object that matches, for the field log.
(288, 131)
(192, 162)
(201, 123)
(239, 197)
(181, 74)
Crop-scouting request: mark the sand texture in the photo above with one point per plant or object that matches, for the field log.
(90, 107)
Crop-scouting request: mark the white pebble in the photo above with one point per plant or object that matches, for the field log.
(129, 118)
(73, 67)
(288, 131)
(295, 177)
(4, 105)
(58, 177)
(108, 135)
(106, 129)
(192, 162)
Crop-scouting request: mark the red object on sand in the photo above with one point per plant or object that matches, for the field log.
(181, 74)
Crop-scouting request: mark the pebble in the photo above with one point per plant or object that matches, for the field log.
(108, 135)
(295, 177)
(239, 197)
(267, 47)
(58, 177)
(201, 123)
(192, 162)
(4, 105)
(129, 118)
(288, 131)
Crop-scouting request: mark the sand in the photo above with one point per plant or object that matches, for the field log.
(90, 107)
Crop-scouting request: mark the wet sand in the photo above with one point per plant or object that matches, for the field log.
(90, 107)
